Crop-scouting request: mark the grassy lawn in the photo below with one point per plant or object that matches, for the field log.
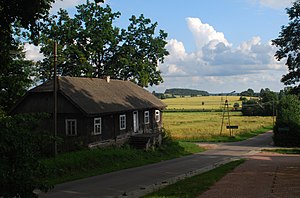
(284, 150)
(205, 126)
(87, 163)
(194, 186)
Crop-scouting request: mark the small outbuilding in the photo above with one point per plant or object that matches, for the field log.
(95, 112)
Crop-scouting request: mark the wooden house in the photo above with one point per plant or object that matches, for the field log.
(96, 112)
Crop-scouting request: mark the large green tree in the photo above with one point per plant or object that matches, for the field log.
(86, 43)
(17, 15)
(24, 12)
(265, 105)
(15, 79)
(141, 51)
(90, 45)
(71, 56)
(249, 92)
(287, 128)
(269, 100)
(288, 43)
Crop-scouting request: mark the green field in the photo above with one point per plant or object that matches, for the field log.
(201, 102)
(206, 126)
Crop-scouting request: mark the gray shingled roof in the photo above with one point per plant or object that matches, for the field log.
(96, 96)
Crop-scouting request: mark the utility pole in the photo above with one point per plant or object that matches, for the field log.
(55, 97)
(226, 107)
(273, 109)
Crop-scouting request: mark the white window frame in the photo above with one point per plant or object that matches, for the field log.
(69, 123)
(146, 117)
(122, 122)
(157, 115)
(97, 126)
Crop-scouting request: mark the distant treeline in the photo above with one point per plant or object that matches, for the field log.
(180, 92)
(186, 92)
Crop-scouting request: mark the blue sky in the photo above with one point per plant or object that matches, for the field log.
(238, 19)
(214, 45)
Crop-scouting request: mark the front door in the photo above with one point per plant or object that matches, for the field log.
(135, 122)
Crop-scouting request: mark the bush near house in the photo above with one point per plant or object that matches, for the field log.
(287, 128)
(19, 156)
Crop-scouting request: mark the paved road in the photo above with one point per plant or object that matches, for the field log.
(138, 181)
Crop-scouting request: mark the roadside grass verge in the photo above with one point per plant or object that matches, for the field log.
(86, 163)
(284, 150)
(242, 136)
(194, 186)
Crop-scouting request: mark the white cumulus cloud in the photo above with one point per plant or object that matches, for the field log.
(174, 70)
(217, 63)
(32, 52)
(205, 33)
(177, 49)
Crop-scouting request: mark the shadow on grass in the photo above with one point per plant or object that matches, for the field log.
(86, 163)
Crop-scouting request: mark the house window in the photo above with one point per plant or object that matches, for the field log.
(122, 122)
(97, 126)
(146, 117)
(71, 127)
(157, 115)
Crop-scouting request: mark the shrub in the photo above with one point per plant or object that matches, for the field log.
(19, 165)
(252, 108)
(243, 98)
(264, 106)
(287, 128)
(236, 105)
